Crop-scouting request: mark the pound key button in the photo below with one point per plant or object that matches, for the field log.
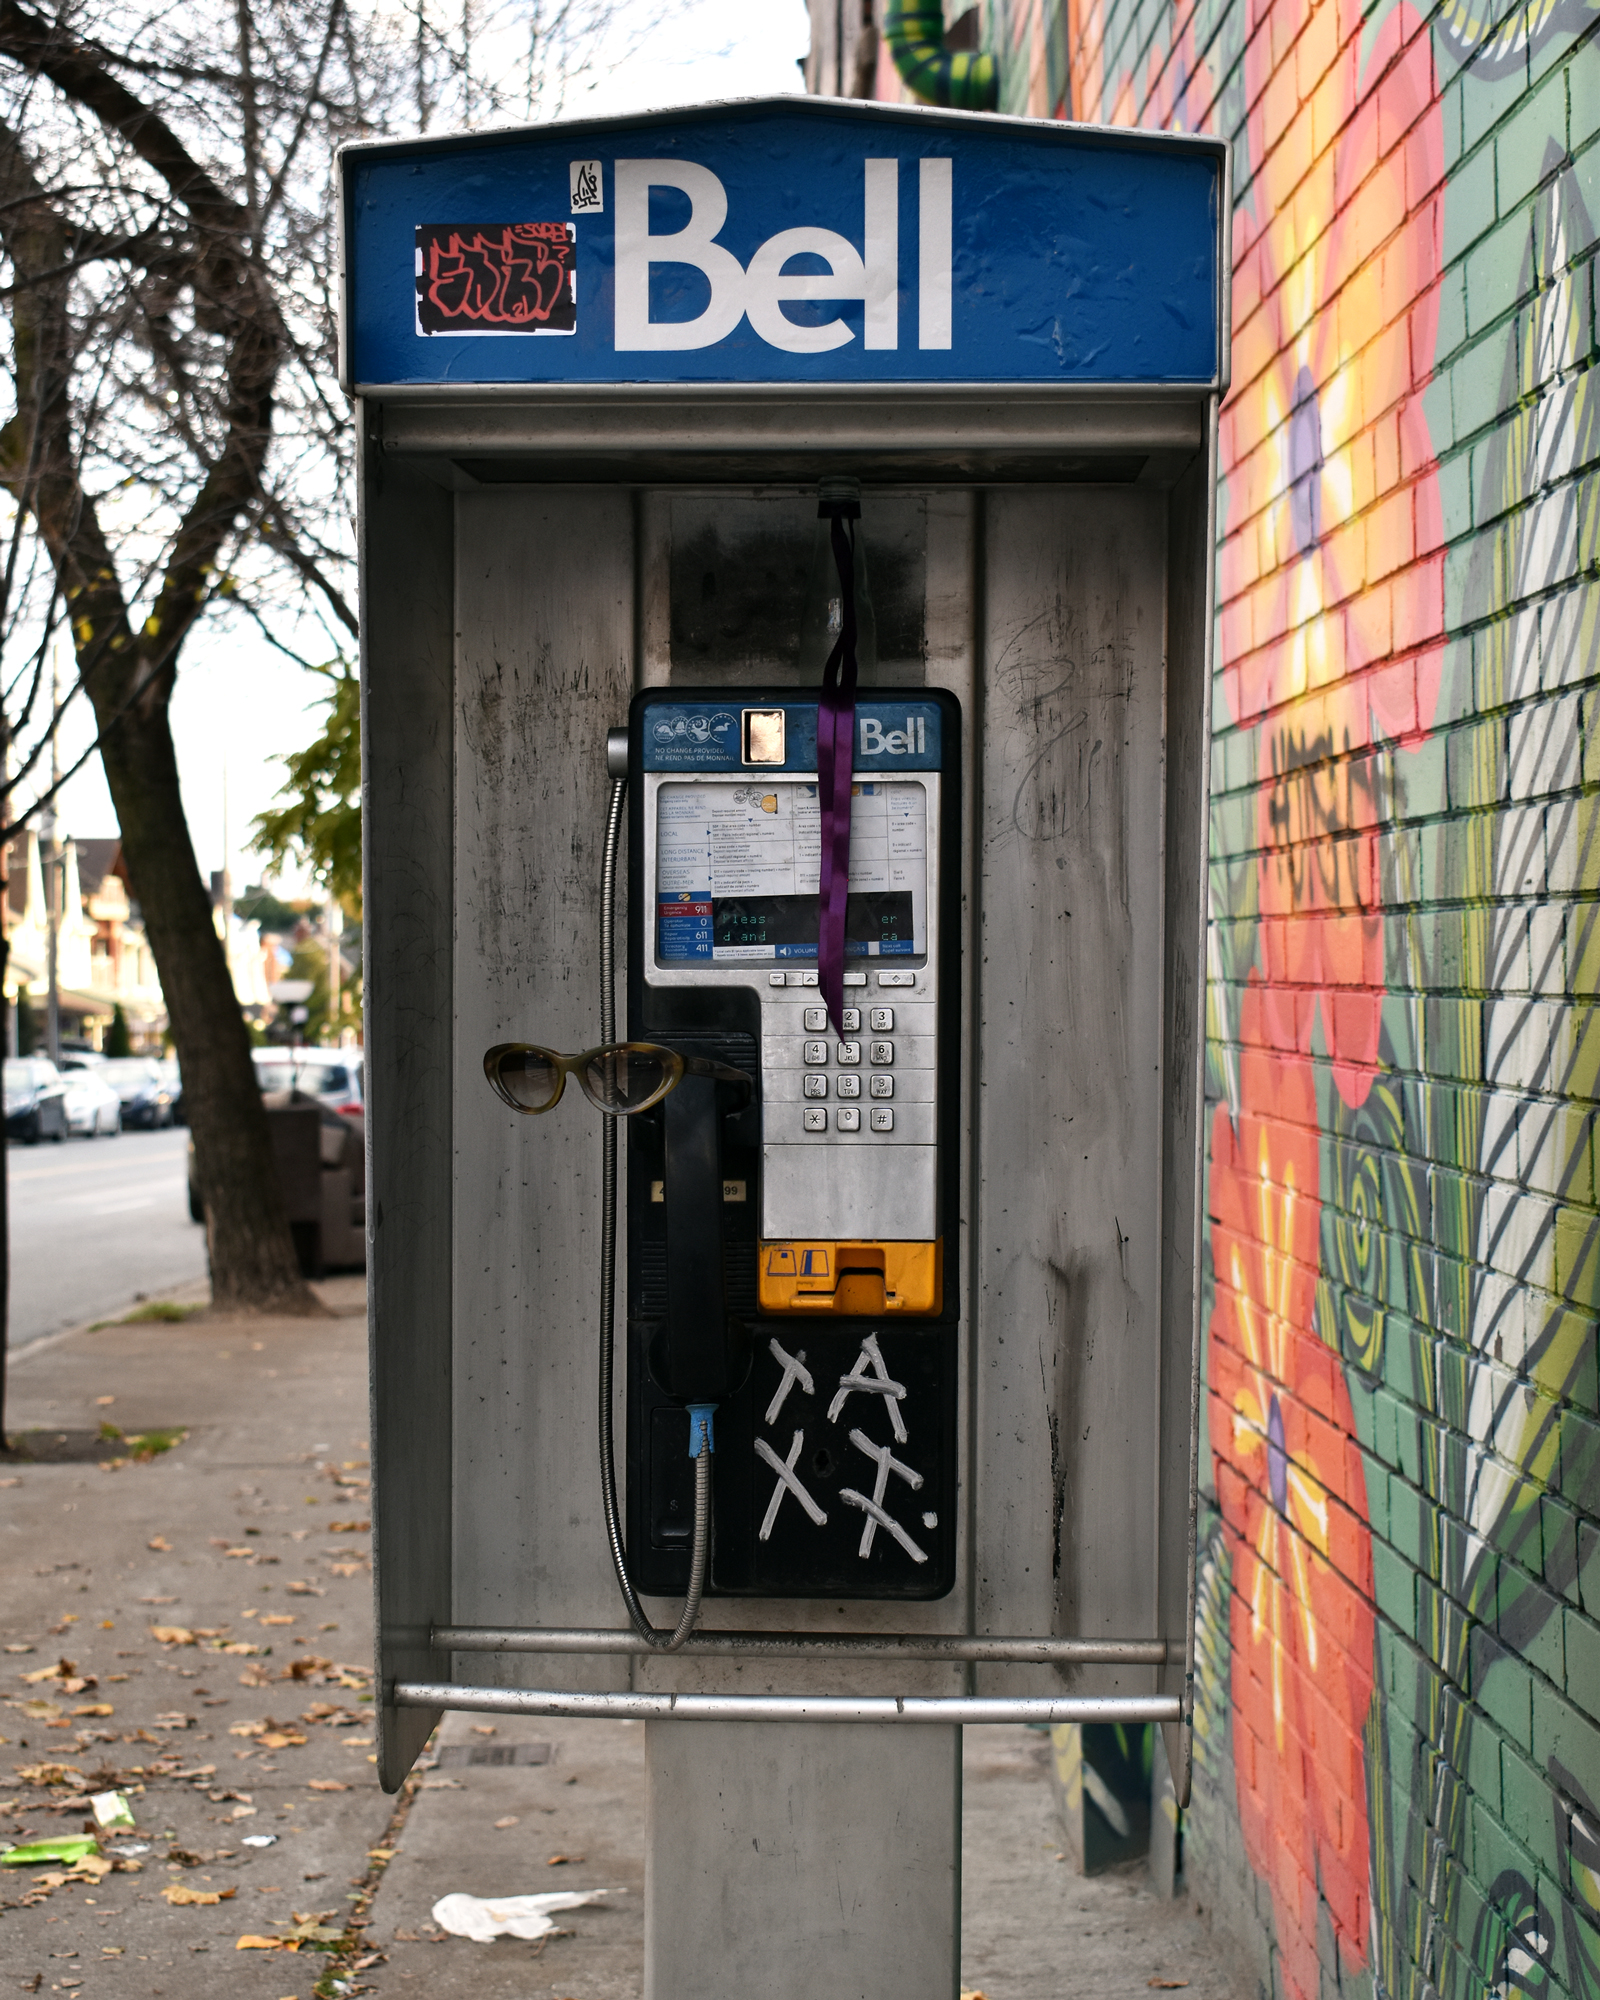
(882, 1118)
(816, 1086)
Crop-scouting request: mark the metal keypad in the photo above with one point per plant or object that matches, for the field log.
(882, 1022)
(848, 1118)
(814, 1054)
(882, 1084)
(848, 1085)
(817, 1086)
(849, 1054)
(882, 1054)
(815, 1020)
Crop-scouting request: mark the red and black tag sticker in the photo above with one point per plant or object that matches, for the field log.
(497, 277)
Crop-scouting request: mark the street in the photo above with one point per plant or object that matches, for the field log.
(93, 1221)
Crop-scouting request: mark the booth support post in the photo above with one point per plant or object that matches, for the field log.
(792, 1859)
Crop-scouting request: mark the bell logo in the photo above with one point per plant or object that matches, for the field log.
(876, 741)
(758, 292)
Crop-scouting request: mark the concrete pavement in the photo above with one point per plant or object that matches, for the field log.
(214, 1607)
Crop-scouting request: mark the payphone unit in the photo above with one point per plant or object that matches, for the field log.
(817, 1239)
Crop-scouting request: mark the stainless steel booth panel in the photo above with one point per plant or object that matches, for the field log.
(1047, 610)
(543, 666)
(1068, 931)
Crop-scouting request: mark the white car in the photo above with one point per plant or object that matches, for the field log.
(91, 1105)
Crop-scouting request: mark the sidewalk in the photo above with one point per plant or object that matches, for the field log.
(214, 1605)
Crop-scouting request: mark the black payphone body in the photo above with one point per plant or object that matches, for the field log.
(827, 1269)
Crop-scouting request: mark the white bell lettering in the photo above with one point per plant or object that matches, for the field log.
(693, 244)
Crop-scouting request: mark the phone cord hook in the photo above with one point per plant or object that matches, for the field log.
(657, 1639)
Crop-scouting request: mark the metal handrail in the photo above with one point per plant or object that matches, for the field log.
(787, 1707)
(1039, 1651)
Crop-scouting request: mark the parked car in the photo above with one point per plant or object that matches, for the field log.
(92, 1106)
(333, 1076)
(138, 1082)
(35, 1094)
(174, 1078)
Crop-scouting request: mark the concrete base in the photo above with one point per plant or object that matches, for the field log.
(791, 1860)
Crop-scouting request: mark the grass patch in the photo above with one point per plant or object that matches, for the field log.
(157, 1309)
(105, 1446)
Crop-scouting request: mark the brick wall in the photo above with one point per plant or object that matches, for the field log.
(1398, 1785)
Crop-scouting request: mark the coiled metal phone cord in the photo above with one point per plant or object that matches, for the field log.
(658, 1640)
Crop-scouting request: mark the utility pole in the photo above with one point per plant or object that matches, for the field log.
(52, 874)
(335, 932)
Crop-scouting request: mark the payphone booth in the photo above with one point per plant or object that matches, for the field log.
(786, 541)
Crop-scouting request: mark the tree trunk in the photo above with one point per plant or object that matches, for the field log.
(252, 1254)
(5, 1205)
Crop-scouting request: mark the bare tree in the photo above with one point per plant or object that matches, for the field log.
(174, 451)
(177, 451)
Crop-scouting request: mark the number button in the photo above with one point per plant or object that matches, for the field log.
(882, 1054)
(815, 1019)
(850, 1020)
(883, 1020)
(848, 1118)
(882, 1117)
(814, 1121)
(882, 1085)
(814, 1053)
(849, 1053)
(817, 1086)
(849, 1085)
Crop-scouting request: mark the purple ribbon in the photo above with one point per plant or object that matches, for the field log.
(836, 729)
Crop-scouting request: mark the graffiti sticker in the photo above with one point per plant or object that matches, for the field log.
(496, 278)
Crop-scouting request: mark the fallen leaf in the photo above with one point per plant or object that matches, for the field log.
(1167, 1985)
(172, 1635)
(349, 1527)
(160, 1544)
(326, 1785)
(178, 1892)
(278, 1618)
(243, 1812)
(500, 1825)
(49, 1774)
(302, 1589)
(95, 1708)
(104, 1402)
(561, 1860)
(249, 1942)
(275, 1739)
(380, 1853)
(18, 1646)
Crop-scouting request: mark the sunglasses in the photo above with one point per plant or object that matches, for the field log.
(618, 1079)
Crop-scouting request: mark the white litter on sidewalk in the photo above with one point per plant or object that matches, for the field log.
(484, 1918)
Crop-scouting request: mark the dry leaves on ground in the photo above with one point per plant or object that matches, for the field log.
(179, 1893)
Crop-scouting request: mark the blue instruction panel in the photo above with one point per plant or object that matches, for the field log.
(791, 240)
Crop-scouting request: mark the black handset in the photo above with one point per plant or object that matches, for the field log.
(792, 1247)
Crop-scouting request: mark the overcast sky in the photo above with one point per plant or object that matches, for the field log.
(239, 706)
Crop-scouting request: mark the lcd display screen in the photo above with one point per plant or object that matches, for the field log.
(737, 866)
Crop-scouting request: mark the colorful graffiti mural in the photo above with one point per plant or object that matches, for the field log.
(1398, 1725)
